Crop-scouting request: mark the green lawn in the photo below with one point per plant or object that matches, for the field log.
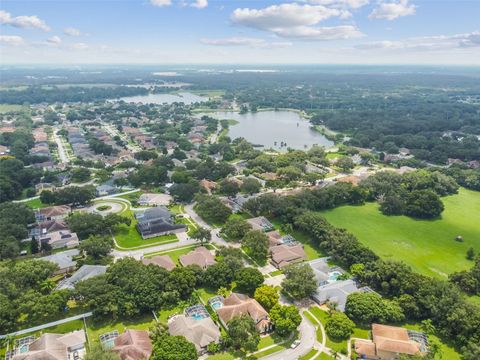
(337, 345)
(97, 328)
(206, 294)
(35, 204)
(315, 322)
(428, 246)
(129, 237)
(164, 314)
(176, 253)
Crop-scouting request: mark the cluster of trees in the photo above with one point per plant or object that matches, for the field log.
(53, 94)
(15, 177)
(469, 178)
(88, 224)
(74, 195)
(415, 193)
(100, 147)
(14, 221)
(27, 296)
(212, 209)
(468, 281)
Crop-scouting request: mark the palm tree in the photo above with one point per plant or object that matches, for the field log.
(47, 286)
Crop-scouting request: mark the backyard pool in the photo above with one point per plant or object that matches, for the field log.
(333, 276)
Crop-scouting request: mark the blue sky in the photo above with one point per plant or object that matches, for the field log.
(229, 31)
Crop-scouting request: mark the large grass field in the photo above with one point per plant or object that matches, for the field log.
(428, 246)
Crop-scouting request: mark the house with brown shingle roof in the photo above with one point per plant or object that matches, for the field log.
(240, 304)
(284, 255)
(200, 333)
(390, 341)
(133, 345)
(58, 212)
(201, 256)
(53, 346)
(164, 261)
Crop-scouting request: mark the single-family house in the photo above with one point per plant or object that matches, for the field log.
(164, 261)
(284, 255)
(133, 345)
(105, 189)
(64, 260)
(157, 221)
(260, 223)
(60, 239)
(388, 342)
(200, 333)
(85, 272)
(53, 347)
(336, 293)
(201, 256)
(57, 212)
(240, 304)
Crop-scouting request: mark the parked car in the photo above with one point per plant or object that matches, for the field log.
(295, 344)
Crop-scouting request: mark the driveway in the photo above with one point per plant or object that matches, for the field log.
(307, 341)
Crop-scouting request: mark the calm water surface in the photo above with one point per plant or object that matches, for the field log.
(183, 97)
(271, 128)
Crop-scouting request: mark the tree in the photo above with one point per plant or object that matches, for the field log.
(9, 248)
(34, 248)
(267, 296)
(218, 275)
(97, 352)
(345, 163)
(235, 229)
(80, 174)
(285, 318)
(367, 308)
(248, 279)
(299, 281)
(243, 334)
(423, 204)
(47, 197)
(250, 186)
(256, 243)
(97, 247)
(185, 192)
(212, 209)
(229, 187)
(202, 235)
(470, 254)
(392, 204)
(173, 348)
(339, 326)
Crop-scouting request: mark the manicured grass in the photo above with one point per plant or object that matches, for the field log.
(315, 322)
(309, 355)
(164, 314)
(35, 204)
(336, 155)
(311, 250)
(276, 272)
(129, 237)
(324, 356)
(176, 253)
(337, 345)
(428, 246)
(97, 328)
(221, 356)
(206, 294)
(269, 351)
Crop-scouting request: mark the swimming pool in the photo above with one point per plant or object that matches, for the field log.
(333, 276)
(216, 305)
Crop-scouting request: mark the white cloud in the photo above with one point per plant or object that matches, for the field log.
(80, 46)
(353, 4)
(54, 40)
(26, 22)
(200, 4)
(427, 43)
(296, 21)
(161, 3)
(245, 41)
(392, 10)
(12, 40)
(70, 31)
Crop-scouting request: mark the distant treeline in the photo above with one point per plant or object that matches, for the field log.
(38, 94)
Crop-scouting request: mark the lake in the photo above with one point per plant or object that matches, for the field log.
(182, 97)
(271, 128)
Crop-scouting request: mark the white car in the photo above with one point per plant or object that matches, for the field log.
(295, 344)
